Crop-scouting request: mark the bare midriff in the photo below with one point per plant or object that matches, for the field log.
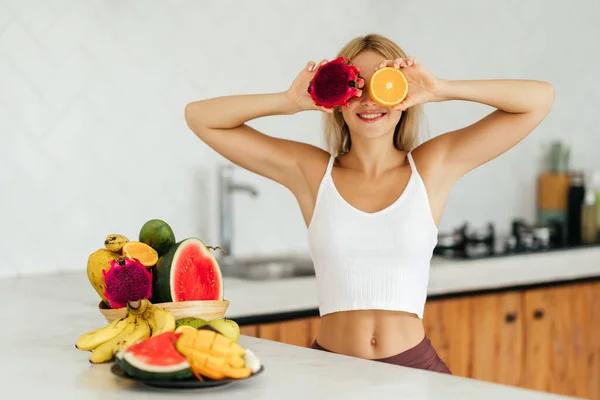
(370, 334)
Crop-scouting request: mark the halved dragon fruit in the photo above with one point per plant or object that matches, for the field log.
(335, 83)
(126, 280)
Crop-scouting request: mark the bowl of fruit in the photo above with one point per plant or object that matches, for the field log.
(165, 312)
(185, 277)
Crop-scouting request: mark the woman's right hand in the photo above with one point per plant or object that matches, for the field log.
(222, 124)
(298, 94)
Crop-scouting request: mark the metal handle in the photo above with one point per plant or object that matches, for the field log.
(538, 314)
(510, 317)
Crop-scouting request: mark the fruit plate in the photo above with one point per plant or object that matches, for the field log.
(190, 383)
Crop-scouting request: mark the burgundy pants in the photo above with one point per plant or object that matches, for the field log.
(421, 356)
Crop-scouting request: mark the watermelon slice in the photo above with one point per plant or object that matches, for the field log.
(155, 358)
(187, 272)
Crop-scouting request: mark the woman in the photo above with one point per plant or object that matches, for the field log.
(373, 202)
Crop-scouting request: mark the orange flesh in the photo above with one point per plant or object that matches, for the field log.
(388, 87)
(142, 252)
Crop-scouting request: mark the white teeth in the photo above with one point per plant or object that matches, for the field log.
(370, 116)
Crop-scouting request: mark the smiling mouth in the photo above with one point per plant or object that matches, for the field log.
(370, 117)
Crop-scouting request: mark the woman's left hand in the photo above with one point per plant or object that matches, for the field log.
(423, 86)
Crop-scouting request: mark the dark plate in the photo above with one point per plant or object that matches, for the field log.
(190, 383)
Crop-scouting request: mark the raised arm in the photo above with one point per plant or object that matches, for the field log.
(520, 106)
(221, 123)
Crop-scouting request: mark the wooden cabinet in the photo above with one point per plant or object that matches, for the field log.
(561, 346)
(497, 338)
(297, 332)
(593, 327)
(447, 324)
(545, 339)
(479, 337)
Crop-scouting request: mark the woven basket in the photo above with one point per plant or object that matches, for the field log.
(207, 309)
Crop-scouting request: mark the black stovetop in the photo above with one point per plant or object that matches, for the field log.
(468, 243)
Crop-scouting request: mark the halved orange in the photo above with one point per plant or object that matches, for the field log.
(142, 252)
(388, 86)
(185, 328)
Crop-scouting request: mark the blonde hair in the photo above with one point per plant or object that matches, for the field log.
(337, 134)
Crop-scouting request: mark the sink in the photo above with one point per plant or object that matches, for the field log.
(265, 268)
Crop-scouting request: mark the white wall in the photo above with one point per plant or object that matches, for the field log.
(93, 140)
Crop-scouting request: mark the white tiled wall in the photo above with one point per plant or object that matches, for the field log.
(93, 140)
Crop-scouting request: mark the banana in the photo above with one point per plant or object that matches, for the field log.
(93, 339)
(141, 322)
(105, 351)
(160, 320)
(139, 307)
(141, 332)
(115, 242)
(149, 317)
(165, 322)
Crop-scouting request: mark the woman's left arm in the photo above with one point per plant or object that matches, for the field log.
(521, 106)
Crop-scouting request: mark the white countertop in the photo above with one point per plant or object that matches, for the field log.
(43, 317)
(249, 298)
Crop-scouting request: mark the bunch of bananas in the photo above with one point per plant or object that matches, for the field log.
(139, 324)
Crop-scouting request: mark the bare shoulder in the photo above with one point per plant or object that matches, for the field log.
(313, 157)
(427, 157)
(312, 161)
(428, 162)
(312, 164)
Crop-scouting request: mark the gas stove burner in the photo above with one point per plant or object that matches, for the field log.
(466, 242)
(530, 238)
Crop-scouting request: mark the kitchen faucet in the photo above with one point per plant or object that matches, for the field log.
(226, 189)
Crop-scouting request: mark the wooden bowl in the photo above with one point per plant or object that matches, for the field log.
(207, 310)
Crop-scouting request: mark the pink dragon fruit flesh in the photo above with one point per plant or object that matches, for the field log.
(126, 280)
(335, 83)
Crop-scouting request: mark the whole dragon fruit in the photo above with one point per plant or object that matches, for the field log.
(126, 280)
(335, 83)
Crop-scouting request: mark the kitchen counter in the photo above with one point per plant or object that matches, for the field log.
(43, 317)
(265, 301)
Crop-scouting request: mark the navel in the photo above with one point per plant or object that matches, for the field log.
(373, 341)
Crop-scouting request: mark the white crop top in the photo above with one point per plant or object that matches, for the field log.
(374, 260)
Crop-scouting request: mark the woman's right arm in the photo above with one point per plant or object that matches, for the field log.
(221, 123)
